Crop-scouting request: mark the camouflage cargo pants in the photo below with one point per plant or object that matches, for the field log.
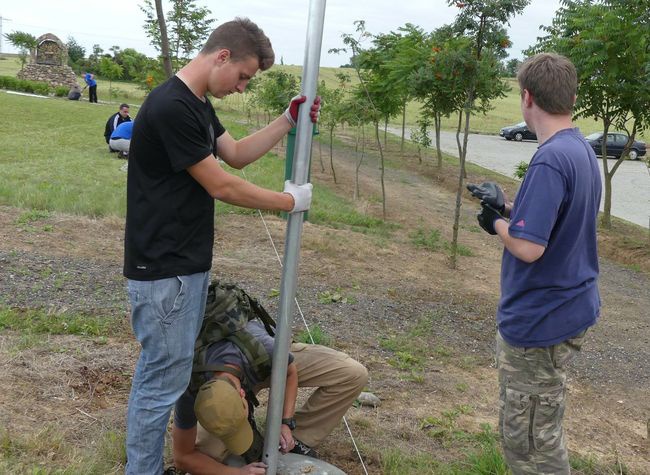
(532, 384)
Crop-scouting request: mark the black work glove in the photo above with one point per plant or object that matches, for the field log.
(490, 193)
(487, 217)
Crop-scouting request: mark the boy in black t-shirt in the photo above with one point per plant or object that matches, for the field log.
(173, 179)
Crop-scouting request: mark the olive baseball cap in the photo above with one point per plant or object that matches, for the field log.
(221, 411)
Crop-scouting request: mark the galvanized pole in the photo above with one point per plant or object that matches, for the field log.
(292, 241)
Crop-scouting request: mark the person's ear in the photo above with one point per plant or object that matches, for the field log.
(222, 56)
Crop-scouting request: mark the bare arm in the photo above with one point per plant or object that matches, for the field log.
(239, 153)
(231, 189)
(290, 395)
(290, 392)
(190, 460)
(522, 249)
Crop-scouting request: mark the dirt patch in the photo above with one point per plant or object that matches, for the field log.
(394, 290)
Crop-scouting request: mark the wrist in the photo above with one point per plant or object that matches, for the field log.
(290, 422)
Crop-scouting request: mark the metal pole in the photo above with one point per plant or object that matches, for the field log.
(293, 236)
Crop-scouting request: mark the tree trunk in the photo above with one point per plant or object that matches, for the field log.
(164, 40)
(320, 155)
(461, 176)
(359, 162)
(437, 120)
(385, 129)
(607, 205)
(381, 165)
(401, 145)
(332, 153)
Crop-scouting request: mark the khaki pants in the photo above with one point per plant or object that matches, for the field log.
(532, 383)
(338, 380)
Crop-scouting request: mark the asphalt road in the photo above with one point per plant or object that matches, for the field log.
(630, 185)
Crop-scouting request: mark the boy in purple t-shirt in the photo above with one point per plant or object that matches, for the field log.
(549, 271)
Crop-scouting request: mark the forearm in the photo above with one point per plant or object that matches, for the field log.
(252, 147)
(290, 392)
(242, 193)
(231, 189)
(522, 249)
(198, 463)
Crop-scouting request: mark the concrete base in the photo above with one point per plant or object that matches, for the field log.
(294, 464)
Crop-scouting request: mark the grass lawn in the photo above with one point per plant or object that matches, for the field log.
(61, 163)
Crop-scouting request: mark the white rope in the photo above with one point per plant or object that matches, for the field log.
(311, 338)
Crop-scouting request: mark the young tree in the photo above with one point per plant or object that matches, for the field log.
(331, 116)
(25, 42)
(275, 90)
(482, 21)
(111, 70)
(368, 68)
(613, 63)
(420, 136)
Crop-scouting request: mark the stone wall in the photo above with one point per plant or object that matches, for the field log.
(53, 75)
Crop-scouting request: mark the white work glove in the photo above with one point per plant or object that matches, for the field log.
(301, 195)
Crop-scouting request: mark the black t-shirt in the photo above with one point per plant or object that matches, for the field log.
(169, 215)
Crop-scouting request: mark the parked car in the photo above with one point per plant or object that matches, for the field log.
(518, 132)
(615, 144)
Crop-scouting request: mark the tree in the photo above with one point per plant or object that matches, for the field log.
(331, 115)
(25, 42)
(275, 90)
(367, 65)
(187, 26)
(420, 136)
(111, 70)
(613, 64)
(512, 66)
(481, 21)
(76, 52)
(439, 80)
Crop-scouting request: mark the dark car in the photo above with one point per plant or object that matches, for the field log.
(615, 144)
(518, 132)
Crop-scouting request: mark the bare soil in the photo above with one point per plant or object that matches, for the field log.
(80, 384)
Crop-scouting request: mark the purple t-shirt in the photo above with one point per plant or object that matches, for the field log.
(556, 297)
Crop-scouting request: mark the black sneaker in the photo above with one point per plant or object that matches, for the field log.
(172, 471)
(303, 449)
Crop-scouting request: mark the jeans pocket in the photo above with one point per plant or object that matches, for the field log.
(516, 420)
(547, 423)
(169, 295)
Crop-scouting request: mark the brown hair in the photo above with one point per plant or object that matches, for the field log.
(244, 39)
(552, 81)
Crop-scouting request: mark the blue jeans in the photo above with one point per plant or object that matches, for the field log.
(166, 317)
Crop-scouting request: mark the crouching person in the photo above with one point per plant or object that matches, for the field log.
(215, 420)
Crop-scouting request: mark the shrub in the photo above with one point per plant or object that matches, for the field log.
(41, 88)
(61, 91)
(8, 82)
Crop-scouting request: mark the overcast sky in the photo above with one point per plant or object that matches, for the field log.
(119, 22)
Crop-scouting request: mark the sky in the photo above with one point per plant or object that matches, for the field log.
(119, 22)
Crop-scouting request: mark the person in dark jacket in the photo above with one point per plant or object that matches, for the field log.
(113, 121)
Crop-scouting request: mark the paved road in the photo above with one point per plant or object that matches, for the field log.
(630, 185)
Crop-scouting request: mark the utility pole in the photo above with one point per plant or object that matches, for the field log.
(1, 20)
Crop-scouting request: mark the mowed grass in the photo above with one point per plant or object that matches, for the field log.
(54, 158)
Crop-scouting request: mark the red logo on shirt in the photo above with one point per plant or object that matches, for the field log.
(521, 223)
